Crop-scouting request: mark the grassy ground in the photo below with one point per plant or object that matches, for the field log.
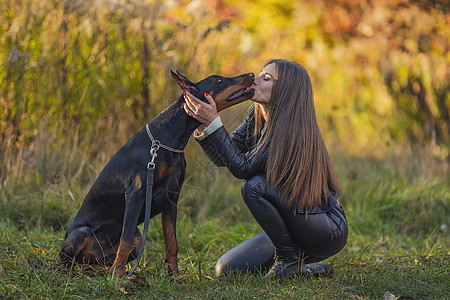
(397, 210)
(416, 272)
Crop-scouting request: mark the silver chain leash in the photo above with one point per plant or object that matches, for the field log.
(156, 142)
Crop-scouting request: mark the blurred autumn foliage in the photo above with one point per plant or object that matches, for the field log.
(85, 74)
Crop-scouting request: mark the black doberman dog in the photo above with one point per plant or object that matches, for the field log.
(104, 230)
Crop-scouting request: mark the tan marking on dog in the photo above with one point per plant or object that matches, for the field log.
(118, 268)
(137, 239)
(221, 97)
(82, 246)
(170, 241)
(163, 171)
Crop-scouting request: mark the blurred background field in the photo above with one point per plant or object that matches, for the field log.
(79, 78)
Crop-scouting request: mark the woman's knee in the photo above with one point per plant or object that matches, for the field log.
(253, 255)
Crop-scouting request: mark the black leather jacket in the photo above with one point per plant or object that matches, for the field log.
(235, 151)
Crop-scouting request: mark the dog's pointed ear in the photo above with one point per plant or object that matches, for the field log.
(184, 83)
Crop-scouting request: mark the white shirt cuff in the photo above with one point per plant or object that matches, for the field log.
(213, 126)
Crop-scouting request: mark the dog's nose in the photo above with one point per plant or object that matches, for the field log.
(251, 75)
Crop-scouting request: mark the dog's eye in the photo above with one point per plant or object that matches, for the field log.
(219, 80)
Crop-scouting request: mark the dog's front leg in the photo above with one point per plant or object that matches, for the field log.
(169, 220)
(134, 201)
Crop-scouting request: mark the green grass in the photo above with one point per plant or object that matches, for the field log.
(397, 210)
(365, 273)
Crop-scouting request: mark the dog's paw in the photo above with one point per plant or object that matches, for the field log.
(179, 279)
(175, 276)
(117, 271)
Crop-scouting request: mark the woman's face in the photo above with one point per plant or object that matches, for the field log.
(263, 85)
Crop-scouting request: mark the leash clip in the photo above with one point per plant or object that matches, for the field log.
(155, 147)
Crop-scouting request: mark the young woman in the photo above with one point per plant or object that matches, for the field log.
(289, 183)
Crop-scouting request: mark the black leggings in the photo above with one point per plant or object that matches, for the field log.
(316, 236)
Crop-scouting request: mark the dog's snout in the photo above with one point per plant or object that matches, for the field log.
(247, 78)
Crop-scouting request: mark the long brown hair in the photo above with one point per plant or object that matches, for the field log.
(298, 162)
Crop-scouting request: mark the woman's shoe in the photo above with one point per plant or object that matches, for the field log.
(286, 268)
(320, 269)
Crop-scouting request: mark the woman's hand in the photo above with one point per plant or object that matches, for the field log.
(199, 110)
